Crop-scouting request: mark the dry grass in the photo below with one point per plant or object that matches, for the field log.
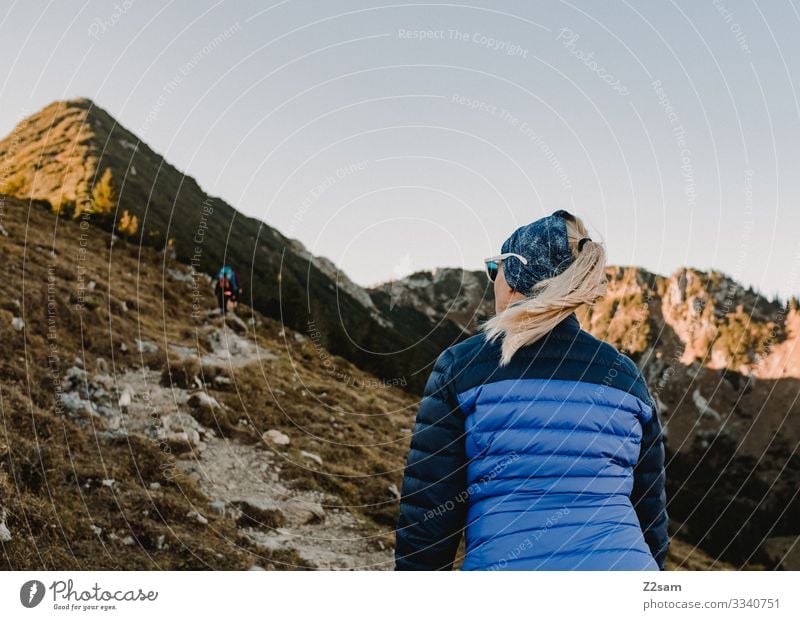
(51, 468)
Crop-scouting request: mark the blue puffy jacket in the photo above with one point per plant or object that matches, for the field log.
(552, 462)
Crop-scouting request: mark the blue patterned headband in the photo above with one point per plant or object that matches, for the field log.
(546, 246)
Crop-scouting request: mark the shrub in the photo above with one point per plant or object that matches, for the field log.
(128, 224)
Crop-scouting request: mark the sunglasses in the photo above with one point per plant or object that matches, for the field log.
(493, 263)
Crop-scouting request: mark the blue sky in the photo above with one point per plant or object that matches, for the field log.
(398, 136)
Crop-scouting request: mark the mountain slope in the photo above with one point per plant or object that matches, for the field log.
(75, 156)
(463, 297)
(136, 435)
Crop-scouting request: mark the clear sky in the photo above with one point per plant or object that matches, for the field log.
(396, 136)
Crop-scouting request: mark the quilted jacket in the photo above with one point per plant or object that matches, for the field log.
(552, 462)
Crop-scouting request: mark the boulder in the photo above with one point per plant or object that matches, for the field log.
(196, 516)
(104, 381)
(146, 346)
(235, 323)
(276, 437)
(202, 400)
(703, 407)
(259, 513)
(221, 382)
(5, 534)
(74, 376)
(312, 457)
(179, 275)
(218, 507)
(302, 512)
(75, 405)
(126, 397)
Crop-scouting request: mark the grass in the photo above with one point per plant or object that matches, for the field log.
(51, 468)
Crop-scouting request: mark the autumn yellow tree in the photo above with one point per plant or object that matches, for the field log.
(14, 185)
(128, 224)
(104, 195)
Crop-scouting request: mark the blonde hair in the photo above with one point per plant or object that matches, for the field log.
(552, 300)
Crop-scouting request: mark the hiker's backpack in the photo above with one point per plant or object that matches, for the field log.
(226, 279)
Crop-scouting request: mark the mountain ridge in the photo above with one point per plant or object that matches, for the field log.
(78, 158)
(73, 154)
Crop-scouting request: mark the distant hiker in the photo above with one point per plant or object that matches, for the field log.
(227, 288)
(539, 442)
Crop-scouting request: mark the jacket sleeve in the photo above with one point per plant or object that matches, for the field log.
(649, 496)
(433, 504)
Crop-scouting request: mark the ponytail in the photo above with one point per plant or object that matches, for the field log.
(552, 300)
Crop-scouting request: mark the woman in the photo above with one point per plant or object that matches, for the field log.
(539, 442)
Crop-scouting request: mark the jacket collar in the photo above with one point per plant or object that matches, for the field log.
(571, 323)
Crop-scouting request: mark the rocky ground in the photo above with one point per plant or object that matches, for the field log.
(241, 480)
(140, 430)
